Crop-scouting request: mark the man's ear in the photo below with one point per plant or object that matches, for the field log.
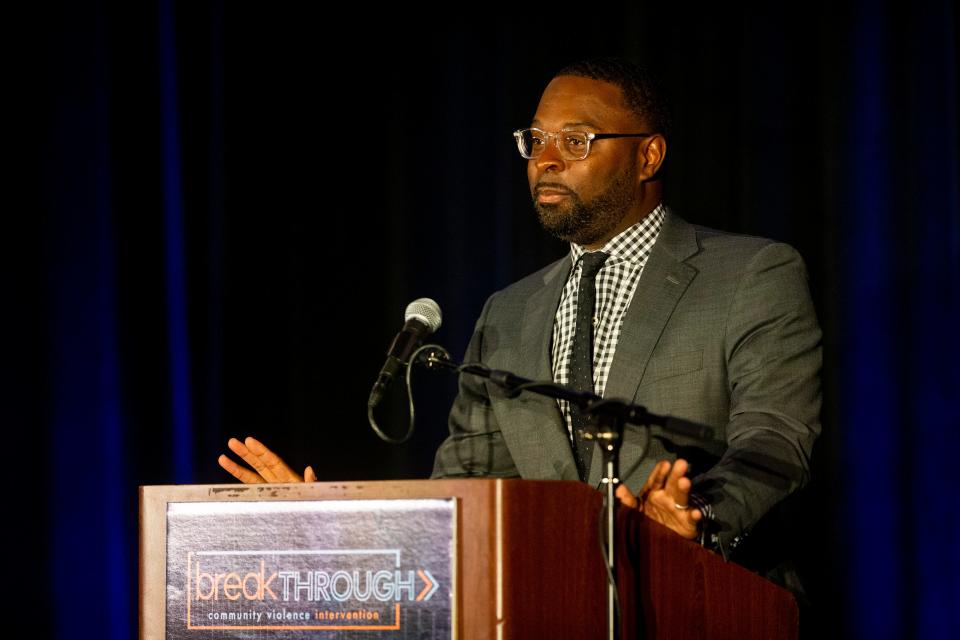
(651, 155)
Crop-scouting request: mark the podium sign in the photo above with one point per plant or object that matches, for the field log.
(311, 569)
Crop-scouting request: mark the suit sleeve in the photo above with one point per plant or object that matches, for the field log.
(475, 446)
(772, 347)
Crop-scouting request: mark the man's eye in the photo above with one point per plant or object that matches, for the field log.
(575, 141)
(537, 140)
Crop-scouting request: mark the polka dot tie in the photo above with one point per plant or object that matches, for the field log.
(581, 361)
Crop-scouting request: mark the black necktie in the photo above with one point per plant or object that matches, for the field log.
(581, 360)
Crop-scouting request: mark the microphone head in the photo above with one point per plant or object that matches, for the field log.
(426, 311)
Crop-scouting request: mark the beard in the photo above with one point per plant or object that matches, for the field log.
(586, 223)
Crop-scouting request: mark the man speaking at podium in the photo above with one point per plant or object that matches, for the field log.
(712, 328)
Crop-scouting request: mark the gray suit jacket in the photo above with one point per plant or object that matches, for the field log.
(721, 332)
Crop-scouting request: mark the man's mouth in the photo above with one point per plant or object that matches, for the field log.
(549, 194)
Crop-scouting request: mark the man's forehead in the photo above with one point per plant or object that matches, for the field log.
(570, 124)
(575, 101)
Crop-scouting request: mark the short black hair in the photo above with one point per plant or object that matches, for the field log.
(642, 89)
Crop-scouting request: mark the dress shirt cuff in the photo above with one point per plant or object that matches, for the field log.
(707, 536)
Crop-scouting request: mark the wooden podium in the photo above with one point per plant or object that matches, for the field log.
(528, 563)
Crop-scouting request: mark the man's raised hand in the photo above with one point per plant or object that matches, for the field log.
(665, 498)
(267, 466)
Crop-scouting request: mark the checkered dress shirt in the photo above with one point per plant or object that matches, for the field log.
(616, 283)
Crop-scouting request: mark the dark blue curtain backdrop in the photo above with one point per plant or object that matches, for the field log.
(222, 212)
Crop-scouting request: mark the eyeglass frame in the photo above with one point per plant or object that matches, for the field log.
(556, 139)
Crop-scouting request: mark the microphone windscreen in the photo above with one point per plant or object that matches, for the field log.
(426, 311)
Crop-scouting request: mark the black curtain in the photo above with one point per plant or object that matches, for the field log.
(220, 212)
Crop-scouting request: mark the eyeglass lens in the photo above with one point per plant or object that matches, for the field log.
(573, 145)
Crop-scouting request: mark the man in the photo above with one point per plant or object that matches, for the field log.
(713, 328)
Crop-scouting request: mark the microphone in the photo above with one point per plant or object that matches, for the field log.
(422, 318)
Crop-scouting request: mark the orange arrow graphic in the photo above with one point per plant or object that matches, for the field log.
(429, 585)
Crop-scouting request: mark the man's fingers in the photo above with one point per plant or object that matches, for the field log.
(656, 477)
(251, 458)
(276, 468)
(665, 498)
(267, 464)
(237, 447)
(260, 450)
(627, 498)
(256, 447)
(662, 508)
(673, 482)
(240, 473)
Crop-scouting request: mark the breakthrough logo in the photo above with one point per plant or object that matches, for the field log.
(361, 589)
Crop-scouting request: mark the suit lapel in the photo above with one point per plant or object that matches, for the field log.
(537, 329)
(537, 434)
(664, 280)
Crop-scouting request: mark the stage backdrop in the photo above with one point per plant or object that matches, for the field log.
(219, 214)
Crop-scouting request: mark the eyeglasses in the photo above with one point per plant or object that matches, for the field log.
(573, 145)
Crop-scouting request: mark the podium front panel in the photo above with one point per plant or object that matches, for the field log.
(471, 558)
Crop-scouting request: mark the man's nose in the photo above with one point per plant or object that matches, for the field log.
(550, 159)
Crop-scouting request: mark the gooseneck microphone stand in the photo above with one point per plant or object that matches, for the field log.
(607, 418)
(608, 436)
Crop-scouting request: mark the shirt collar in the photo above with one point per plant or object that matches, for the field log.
(634, 243)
